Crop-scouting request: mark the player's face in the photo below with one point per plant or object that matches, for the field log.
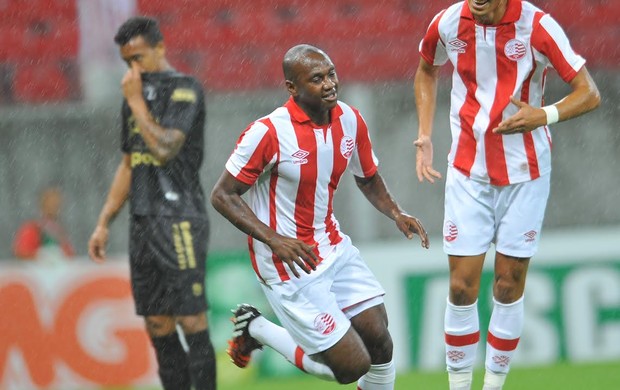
(487, 11)
(149, 58)
(315, 87)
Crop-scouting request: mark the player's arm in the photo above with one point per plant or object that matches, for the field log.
(119, 191)
(164, 144)
(226, 199)
(425, 91)
(583, 98)
(377, 193)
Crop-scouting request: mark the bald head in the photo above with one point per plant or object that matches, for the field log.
(299, 55)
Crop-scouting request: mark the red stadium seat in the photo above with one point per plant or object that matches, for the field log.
(43, 82)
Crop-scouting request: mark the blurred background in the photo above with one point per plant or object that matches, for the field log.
(60, 102)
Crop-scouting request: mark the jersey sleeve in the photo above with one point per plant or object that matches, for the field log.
(183, 106)
(363, 163)
(125, 131)
(549, 39)
(432, 48)
(255, 150)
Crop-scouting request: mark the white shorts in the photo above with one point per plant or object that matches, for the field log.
(317, 312)
(477, 214)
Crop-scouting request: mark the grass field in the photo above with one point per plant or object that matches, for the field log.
(560, 377)
(601, 376)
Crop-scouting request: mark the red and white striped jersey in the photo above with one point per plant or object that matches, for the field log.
(294, 168)
(492, 63)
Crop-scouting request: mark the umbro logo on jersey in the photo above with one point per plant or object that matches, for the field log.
(457, 45)
(514, 49)
(300, 157)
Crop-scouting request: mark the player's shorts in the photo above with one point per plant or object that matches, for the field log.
(317, 313)
(167, 257)
(478, 214)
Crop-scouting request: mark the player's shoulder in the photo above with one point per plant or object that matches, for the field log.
(185, 87)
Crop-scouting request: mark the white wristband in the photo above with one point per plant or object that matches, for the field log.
(553, 116)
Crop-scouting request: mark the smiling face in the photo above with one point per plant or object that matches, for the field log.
(314, 85)
(149, 58)
(487, 11)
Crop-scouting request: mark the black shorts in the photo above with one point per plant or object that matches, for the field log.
(167, 258)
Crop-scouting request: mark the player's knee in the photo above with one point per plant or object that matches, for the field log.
(381, 348)
(193, 323)
(352, 371)
(157, 326)
(462, 292)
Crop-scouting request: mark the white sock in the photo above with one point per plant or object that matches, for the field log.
(276, 337)
(379, 377)
(505, 330)
(462, 334)
(493, 381)
(460, 380)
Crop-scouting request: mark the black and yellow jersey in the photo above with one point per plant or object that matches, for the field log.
(175, 101)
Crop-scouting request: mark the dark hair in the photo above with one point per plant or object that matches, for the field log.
(139, 26)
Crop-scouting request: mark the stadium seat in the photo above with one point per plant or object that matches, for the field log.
(44, 82)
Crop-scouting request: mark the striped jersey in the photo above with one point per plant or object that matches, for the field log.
(492, 63)
(294, 167)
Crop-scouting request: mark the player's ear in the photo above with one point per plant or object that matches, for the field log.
(161, 49)
(291, 88)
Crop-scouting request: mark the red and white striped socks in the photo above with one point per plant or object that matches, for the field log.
(504, 333)
(462, 334)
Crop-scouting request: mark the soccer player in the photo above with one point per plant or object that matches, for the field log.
(499, 164)
(163, 119)
(327, 299)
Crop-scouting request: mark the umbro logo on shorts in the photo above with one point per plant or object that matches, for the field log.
(530, 236)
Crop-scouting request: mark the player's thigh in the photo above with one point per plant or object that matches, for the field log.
(310, 312)
(469, 220)
(171, 266)
(520, 211)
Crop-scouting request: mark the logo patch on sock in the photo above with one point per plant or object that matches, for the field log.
(501, 360)
(455, 355)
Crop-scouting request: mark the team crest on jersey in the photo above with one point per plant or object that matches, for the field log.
(324, 323)
(149, 92)
(514, 49)
(457, 45)
(346, 146)
(300, 157)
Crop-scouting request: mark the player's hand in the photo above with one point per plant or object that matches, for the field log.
(526, 119)
(132, 84)
(294, 253)
(424, 160)
(410, 225)
(97, 244)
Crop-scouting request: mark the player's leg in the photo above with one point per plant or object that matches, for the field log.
(461, 322)
(149, 291)
(372, 326)
(469, 228)
(188, 298)
(171, 357)
(520, 211)
(506, 322)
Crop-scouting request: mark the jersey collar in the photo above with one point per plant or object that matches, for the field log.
(513, 12)
(298, 115)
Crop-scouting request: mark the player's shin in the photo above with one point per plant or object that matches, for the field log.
(276, 337)
(505, 330)
(201, 360)
(379, 377)
(172, 361)
(462, 334)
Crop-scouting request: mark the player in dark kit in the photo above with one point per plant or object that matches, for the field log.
(163, 118)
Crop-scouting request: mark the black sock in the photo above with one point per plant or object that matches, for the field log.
(172, 361)
(201, 360)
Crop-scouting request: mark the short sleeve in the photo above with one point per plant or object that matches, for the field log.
(363, 162)
(255, 150)
(185, 102)
(432, 49)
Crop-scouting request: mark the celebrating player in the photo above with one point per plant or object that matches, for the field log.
(327, 299)
(499, 164)
(163, 118)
